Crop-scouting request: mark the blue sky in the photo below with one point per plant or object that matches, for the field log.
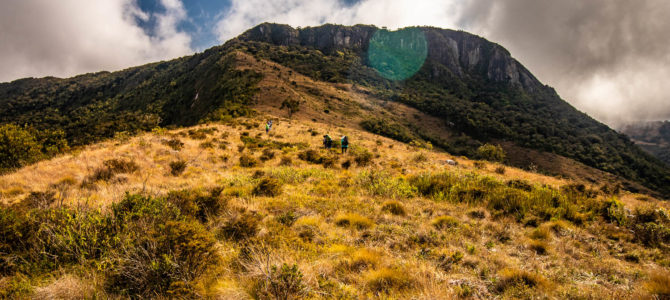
(200, 23)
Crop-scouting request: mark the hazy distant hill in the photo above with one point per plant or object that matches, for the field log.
(653, 137)
(473, 87)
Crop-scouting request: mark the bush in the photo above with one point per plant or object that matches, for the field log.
(540, 247)
(201, 205)
(40, 200)
(329, 161)
(283, 282)
(613, 211)
(386, 280)
(394, 207)
(477, 214)
(121, 166)
(519, 279)
(491, 153)
(18, 147)
(311, 156)
(346, 164)
(288, 218)
(445, 222)
(173, 143)
(248, 161)
(383, 184)
(353, 221)
(177, 167)
(520, 184)
(269, 186)
(164, 261)
(268, 154)
(109, 169)
(286, 161)
(240, 226)
(500, 170)
(363, 158)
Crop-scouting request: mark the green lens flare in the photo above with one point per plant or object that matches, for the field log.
(397, 55)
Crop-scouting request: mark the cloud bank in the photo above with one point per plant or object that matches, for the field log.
(67, 37)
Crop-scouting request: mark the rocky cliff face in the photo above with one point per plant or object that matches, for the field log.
(464, 54)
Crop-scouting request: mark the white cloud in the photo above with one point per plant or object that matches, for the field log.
(244, 14)
(68, 37)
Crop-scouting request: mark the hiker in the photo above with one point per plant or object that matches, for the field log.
(327, 142)
(267, 127)
(345, 144)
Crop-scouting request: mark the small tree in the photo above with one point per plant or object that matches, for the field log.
(491, 153)
(18, 147)
(291, 105)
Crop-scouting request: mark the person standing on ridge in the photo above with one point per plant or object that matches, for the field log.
(345, 144)
(327, 142)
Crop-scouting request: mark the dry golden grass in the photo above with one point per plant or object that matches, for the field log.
(347, 241)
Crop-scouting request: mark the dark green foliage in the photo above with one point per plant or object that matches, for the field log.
(92, 107)
(491, 153)
(311, 155)
(248, 161)
(21, 146)
(268, 186)
(200, 204)
(613, 211)
(388, 129)
(291, 105)
(240, 226)
(363, 157)
(163, 261)
(329, 161)
(39, 199)
(520, 184)
(173, 143)
(268, 154)
(282, 283)
(177, 167)
(109, 170)
(287, 218)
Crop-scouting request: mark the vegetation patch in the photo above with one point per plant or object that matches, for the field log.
(352, 220)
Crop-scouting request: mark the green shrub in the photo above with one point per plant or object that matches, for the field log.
(353, 221)
(240, 226)
(41, 200)
(201, 205)
(613, 211)
(163, 261)
(311, 156)
(288, 218)
(268, 154)
(269, 186)
(380, 183)
(363, 158)
(283, 282)
(394, 207)
(21, 146)
(445, 222)
(286, 161)
(520, 184)
(491, 153)
(173, 143)
(248, 161)
(329, 161)
(177, 167)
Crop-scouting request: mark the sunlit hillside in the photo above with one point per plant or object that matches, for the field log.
(226, 211)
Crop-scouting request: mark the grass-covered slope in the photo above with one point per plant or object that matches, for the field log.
(473, 85)
(474, 88)
(226, 211)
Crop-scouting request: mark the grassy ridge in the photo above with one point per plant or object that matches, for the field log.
(308, 225)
